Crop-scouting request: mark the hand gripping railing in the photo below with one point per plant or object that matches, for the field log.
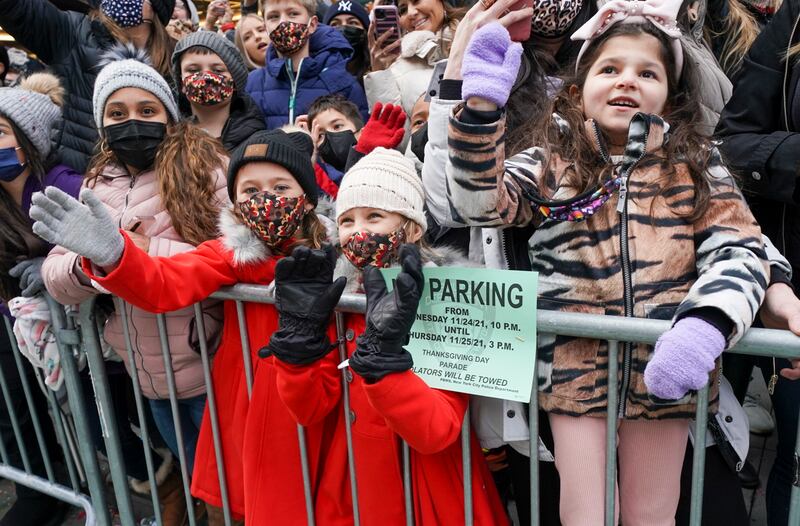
(612, 329)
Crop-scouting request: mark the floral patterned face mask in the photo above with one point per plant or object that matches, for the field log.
(370, 248)
(288, 37)
(272, 218)
(207, 88)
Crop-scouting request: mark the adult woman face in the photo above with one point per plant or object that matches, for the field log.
(421, 15)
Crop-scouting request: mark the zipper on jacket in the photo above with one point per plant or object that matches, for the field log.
(127, 198)
(294, 80)
(627, 282)
(505, 250)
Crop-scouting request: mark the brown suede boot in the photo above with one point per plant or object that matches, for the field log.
(216, 517)
(170, 491)
(173, 501)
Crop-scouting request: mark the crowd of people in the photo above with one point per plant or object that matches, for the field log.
(640, 155)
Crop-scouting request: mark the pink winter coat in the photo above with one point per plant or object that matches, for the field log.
(131, 201)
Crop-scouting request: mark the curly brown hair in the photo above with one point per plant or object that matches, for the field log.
(687, 144)
(185, 165)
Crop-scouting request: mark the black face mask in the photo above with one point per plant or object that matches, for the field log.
(335, 148)
(355, 36)
(418, 141)
(135, 143)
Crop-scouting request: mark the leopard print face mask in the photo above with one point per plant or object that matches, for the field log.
(552, 18)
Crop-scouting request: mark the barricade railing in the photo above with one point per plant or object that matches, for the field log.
(69, 429)
(612, 329)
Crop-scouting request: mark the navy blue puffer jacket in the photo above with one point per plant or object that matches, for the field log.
(321, 73)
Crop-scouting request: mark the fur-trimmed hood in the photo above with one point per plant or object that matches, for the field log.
(247, 248)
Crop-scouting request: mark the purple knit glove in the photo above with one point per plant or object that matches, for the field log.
(491, 63)
(683, 357)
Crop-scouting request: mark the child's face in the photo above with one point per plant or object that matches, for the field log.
(265, 176)
(329, 121)
(255, 39)
(419, 114)
(628, 77)
(374, 220)
(192, 63)
(133, 104)
(277, 11)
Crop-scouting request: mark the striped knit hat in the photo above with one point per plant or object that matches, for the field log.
(387, 180)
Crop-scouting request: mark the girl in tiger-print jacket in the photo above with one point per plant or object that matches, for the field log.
(634, 217)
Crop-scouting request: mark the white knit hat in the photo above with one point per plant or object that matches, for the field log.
(131, 73)
(387, 180)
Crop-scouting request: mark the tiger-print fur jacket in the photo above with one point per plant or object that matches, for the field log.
(675, 265)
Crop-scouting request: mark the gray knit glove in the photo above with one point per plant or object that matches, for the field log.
(29, 273)
(86, 229)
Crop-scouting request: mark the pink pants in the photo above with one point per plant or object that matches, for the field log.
(650, 454)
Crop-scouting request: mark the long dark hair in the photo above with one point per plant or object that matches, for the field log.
(687, 144)
(16, 234)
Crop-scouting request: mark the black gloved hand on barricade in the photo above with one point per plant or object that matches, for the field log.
(305, 296)
(379, 350)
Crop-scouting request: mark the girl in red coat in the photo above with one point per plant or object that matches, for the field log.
(271, 181)
(381, 221)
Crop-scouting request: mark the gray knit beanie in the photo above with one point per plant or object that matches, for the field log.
(34, 107)
(217, 44)
(387, 180)
(131, 73)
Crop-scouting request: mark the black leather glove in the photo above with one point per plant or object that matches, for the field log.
(305, 296)
(379, 351)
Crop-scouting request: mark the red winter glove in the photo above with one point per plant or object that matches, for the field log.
(384, 128)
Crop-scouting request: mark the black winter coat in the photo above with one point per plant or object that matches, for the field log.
(71, 44)
(761, 138)
(246, 119)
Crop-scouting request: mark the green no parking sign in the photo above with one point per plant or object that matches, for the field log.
(475, 331)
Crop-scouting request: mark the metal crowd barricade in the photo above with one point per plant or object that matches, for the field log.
(614, 330)
(69, 433)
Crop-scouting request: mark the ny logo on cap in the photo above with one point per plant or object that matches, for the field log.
(345, 5)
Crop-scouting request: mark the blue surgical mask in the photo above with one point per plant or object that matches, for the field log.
(10, 167)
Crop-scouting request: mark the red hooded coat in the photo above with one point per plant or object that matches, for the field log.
(259, 437)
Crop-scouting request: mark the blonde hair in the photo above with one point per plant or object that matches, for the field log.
(739, 30)
(239, 40)
(309, 5)
(46, 84)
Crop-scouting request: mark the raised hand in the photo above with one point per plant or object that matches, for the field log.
(491, 63)
(86, 229)
(385, 127)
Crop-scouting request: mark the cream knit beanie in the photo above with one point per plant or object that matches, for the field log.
(387, 180)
